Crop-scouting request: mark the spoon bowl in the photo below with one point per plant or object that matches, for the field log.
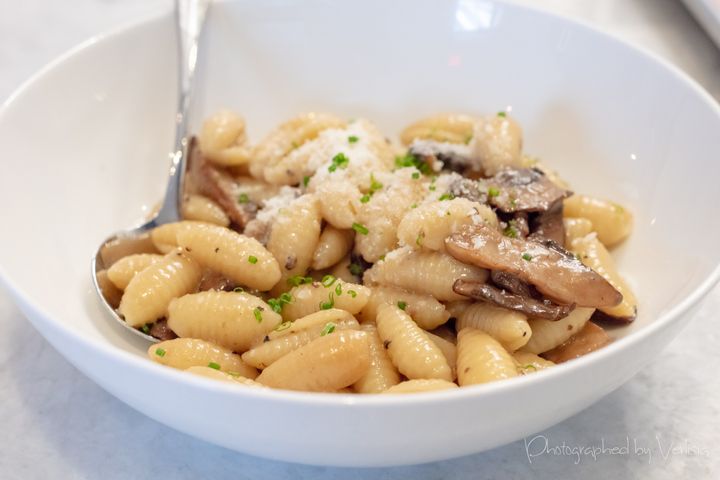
(189, 23)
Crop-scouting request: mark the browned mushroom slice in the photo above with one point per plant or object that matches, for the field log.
(527, 305)
(549, 224)
(603, 317)
(212, 280)
(589, 339)
(554, 271)
(217, 184)
(453, 156)
(512, 283)
(161, 331)
(523, 190)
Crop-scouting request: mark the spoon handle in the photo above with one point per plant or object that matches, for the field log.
(189, 21)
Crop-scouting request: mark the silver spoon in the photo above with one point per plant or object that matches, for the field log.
(189, 21)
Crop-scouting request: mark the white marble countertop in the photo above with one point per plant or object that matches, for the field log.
(55, 423)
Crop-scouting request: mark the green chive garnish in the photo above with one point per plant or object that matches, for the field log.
(243, 198)
(214, 365)
(328, 328)
(252, 259)
(160, 352)
(361, 229)
(527, 257)
(402, 305)
(258, 314)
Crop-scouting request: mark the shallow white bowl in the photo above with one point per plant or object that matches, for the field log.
(84, 148)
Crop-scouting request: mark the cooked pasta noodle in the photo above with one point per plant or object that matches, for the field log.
(333, 245)
(548, 334)
(149, 293)
(332, 293)
(508, 327)
(425, 310)
(411, 350)
(481, 358)
(122, 271)
(183, 353)
(611, 221)
(326, 364)
(234, 320)
(197, 207)
(381, 374)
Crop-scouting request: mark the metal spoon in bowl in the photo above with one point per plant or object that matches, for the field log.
(189, 21)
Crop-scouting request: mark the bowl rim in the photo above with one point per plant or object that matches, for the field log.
(314, 399)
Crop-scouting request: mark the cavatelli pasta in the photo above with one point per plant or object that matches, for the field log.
(413, 353)
(294, 237)
(333, 245)
(449, 127)
(149, 293)
(612, 222)
(266, 353)
(449, 350)
(323, 295)
(223, 377)
(183, 353)
(381, 374)
(326, 364)
(431, 273)
(497, 143)
(238, 257)
(481, 358)
(122, 271)
(198, 207)
(576, 228)
(428, 225)
(594, 254)
(529, 362)
(425, 310)
(234, 320)
(508, 327)
(548, 334)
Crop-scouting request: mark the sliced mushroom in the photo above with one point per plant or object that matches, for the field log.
(523, 190)
(526, 304)
(589, 339)
(212, 280)
(161, 331)
(218, 185)
(512, 284)
(554, 271)
(549, 224)
(453, 156)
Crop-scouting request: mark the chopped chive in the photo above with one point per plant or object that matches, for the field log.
(306, 180)
(258, 314)
(527, 257)
(329, 304)
(214, 365)
(361, 229)
(352, 293)
(416, 175)
(160, 352)
(419, 239)
(355, 269)
(382, 257)
(414, 205)
(402, 305)
(283, 326)
(145, 329)
(446, 196)
(243, 198)
(339, 161)
(365, 198)
(502, 114)
(285, 298)
(338, 289)
(328, 280)
(511, 232)
(233, 374)
(296, 280)
(410, 160)
(493, 192)
(294, 145)
(528, 367)
(238, 289)
(618, 208)
(352, 139)
(374, 184)
(328, 328)
(275, 305)
(468, 139)
(252, 259)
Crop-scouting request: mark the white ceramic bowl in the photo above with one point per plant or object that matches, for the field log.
(84, 148)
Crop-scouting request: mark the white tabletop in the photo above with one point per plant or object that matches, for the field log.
(55, 423)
